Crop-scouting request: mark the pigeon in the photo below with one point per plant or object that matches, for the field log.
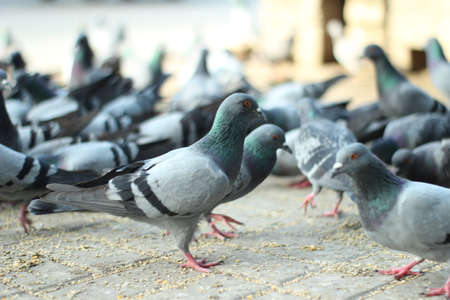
(201, 89)
(83, 63)
(412, 131)
(155, 67)
(346, 50)
(291, 92)
(174, 190)
(23, 178)
(259, 157)
(438, 66)
(315, 148)
(427, 163)
(397, 96)
(400, 214)
(17, 110)
(366, 122)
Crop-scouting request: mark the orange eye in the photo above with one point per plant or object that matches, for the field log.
(354, 156)
(247, 104)
(275, 137)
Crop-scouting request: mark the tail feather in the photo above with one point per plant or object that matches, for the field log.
(38, 207)
(316, 90)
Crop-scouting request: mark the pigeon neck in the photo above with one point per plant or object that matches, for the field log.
(259, 160)
(376, 191)
(387, 75)
(225, 143)
(8, 132)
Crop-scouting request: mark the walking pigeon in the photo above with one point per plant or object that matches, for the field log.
(438, 66)
(428, 163)
(399, 214)
(174, 190)
(397, 96)
(259, 157)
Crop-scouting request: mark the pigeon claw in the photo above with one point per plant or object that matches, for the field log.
(402, 271)
(24, 220)
(302, 184)
(333, 213)
(445, 290)
(200, 266)
(226, 219)
(220, 234)
(309, 199)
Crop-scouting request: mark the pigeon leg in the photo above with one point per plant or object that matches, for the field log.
(402, 271)
(24, 220)
(309, 199)
(302, 184)
(200, 266)
(218, 233)
(335, 212)
(228, 220)
(445, 290)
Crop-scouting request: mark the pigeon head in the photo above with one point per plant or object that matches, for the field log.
(373, 52)
(4, 83)
(202, 65)
(434, 50)
(266, 140)
(17, 61)
(335, 28)
(351, 159)
(308, 110)
(402, 158)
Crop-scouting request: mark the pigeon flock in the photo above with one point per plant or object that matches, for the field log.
(100, 144)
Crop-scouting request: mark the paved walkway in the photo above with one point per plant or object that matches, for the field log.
(280, 254)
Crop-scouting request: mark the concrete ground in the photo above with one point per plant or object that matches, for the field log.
(280, 253)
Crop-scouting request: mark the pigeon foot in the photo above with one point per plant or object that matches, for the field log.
(200, 266)
(333, 213)
(219, 234)
(23, 219)
(445, 290)
(302, 184)
(226, 219)
(402, 271)
(309, 199)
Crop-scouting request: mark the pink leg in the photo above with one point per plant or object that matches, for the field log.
(228, 220)
(333, 213)
(445, 290)
(302, 184)
(402, 271)
(218, 233)
(198, 265)
(309, 199)
(24, 220)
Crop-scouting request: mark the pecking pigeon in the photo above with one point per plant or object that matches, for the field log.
(428, 163)
(259, 157)
(174, 190)
(400, 214)
(438, 66)
(397, 96)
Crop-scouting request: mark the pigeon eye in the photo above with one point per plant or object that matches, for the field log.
(275, 137)
(354, 156)
(247, 104)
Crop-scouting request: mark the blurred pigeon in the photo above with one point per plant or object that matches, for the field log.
(427, 163)
(317, 142)
(366, 122)
(174, 190)
(286, 165)
(202, 89)
(104, 123)
(9, 135)
(438, 66)
(400, 214)
(397, 96)
(155, 67)
(17, 110)
(412, 131)
(346, 50)
(24, 178)
(258, 159)
(291, 92)
(83, 62)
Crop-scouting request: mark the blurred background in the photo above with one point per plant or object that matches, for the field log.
(276, 40)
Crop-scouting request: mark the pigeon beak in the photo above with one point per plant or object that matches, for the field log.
(261, 114)
(337, 169)
(286, 148)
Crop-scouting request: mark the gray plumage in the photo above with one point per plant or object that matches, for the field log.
(105, 122)
(201, 89)
(438, 66)
(397, 96)
(291, 92)
(427, 163)
(399, 214)
(173, 190)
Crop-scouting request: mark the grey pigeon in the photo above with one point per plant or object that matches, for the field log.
(23, 178)
(174, 190)
(397, 95)
(259, 157)
(291, 92)
(104, 123)
(399, 214)
(427, 163)
(317, 142)
(438, 66)
(410, 132)
(17, 110)
(155, 66)
(201, 89)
